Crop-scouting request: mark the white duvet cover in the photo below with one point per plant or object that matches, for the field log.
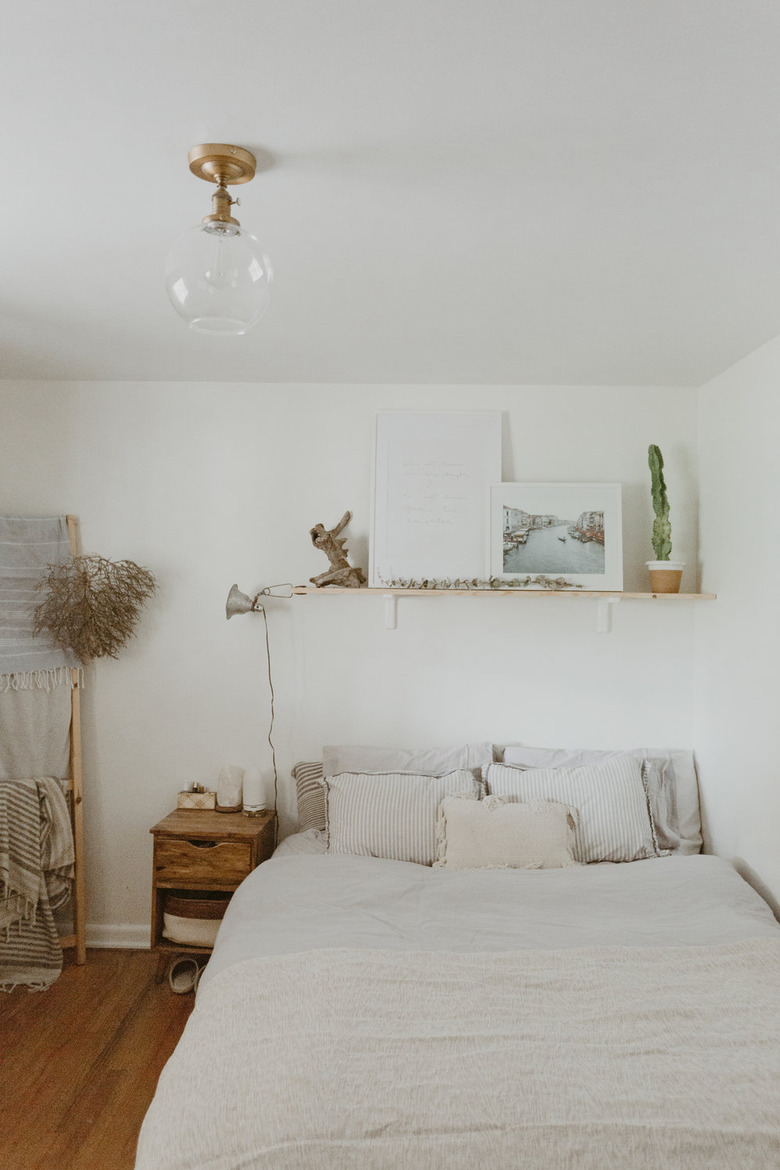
(360, 1014)
(297, 903)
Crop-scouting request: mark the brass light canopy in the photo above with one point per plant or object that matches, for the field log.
(219, 163)
(217, 275)
(225, 165)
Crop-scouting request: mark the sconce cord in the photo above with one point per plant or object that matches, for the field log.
(261, 609)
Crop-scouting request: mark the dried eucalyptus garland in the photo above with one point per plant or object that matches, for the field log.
(539, 582)
(92, 604)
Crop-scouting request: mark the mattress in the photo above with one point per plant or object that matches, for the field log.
(363, 1014)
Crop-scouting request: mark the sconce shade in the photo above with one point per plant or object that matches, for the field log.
(237, 602)
(218, 278)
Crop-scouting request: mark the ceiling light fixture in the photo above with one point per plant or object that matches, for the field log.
(216, 274)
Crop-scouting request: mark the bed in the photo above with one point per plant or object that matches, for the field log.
(368, 1012)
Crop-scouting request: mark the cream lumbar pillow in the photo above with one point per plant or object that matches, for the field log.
(499, 833)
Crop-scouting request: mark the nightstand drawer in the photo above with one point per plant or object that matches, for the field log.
(221, 862)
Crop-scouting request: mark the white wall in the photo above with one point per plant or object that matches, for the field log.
(207, 485)
(738, 638)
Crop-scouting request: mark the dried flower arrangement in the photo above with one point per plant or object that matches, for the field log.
(92, 604)
(538, 582)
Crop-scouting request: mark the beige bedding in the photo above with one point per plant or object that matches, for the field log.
(595, 1057)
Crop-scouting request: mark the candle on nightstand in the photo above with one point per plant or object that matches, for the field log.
(254, 791)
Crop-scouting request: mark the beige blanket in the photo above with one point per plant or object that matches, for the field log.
(374, 1060)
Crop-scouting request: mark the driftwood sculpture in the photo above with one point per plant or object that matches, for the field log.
(340, 571)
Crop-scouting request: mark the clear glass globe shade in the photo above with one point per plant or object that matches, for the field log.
(218, 278)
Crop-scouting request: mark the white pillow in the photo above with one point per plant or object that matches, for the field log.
(497, 833)
(671, 785)
(614, 822)
(436, 761)
(390, 814)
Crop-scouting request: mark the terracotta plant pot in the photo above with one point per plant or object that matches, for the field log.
(665, 576)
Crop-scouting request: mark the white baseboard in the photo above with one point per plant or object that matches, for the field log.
(123, 936)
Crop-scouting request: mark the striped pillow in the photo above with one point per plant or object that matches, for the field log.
(311, 792)
(311, 796)
(390, 814)
(615, 822)
(670, 779)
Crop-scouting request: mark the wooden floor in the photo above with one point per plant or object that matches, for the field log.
(79, 1062)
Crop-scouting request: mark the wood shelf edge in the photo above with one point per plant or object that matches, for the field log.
(307, 590)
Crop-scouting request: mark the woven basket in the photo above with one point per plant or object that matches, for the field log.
(196, 904)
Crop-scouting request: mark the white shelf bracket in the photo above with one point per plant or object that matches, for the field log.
(391, 611)
(604, 615)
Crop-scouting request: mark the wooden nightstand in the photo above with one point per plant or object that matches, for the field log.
(206, 851)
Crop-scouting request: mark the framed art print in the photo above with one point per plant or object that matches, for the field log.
(569, 530)
(432, 471)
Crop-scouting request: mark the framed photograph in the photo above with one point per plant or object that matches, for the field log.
(432, 472)
(569, 530)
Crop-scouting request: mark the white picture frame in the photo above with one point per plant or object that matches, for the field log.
(432, 470)
(571, 531)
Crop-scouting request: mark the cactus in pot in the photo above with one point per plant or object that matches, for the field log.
(662, 528)
(665, 574)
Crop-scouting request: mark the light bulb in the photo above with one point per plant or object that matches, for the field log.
(218, 278)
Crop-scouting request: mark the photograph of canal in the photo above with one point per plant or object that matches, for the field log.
(551, 544)
(566, 531)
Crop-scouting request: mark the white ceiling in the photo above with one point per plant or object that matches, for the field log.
(556, 191)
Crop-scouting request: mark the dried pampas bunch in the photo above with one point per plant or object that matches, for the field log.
(92, 604)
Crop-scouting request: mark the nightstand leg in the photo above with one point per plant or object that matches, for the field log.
(162, 964)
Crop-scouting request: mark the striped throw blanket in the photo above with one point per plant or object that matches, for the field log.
(36, 873)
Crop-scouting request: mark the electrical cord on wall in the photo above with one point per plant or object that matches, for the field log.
(261, 609)
(238, 602)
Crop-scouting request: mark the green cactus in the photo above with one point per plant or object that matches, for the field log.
(662, 529)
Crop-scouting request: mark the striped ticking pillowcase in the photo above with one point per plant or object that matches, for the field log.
(390, 814)
(311, 796)
(311, 793)
(615, 822)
